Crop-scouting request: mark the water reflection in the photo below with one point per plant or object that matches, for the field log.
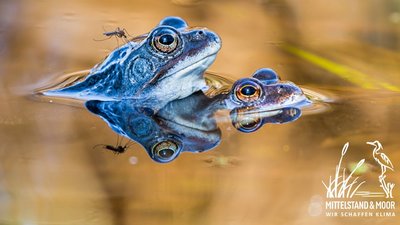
(184, 125)
(190, 125)
(249, 120)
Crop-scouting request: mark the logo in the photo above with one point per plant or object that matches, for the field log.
(348, 194)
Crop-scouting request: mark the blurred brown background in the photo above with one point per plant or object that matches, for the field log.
(49, 173)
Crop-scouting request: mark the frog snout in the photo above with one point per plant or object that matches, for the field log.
(206, 34)
(214, 37)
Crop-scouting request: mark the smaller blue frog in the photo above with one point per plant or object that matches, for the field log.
(265, 90)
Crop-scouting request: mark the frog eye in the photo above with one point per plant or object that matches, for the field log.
(245, 122)
(166, 41)
(165, 151)
(247, 90)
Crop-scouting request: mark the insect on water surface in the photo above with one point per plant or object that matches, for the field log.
(118, 148)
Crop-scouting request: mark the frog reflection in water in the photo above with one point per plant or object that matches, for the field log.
(189, 124)
(155, 67)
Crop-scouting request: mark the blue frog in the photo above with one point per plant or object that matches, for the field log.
(166, 64)
(265, 90)
(264, 98)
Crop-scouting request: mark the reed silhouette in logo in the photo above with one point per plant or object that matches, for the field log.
(383, 160)
(343, 185)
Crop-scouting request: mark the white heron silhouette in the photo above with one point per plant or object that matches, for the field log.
(380, 157)
(385, 164)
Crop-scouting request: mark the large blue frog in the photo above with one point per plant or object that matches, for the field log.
(167, 63)
(189, 124)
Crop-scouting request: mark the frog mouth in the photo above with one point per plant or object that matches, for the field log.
(192, 68)
(200, 65)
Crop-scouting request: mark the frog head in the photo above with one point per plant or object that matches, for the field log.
(166, 63)
(265, 90)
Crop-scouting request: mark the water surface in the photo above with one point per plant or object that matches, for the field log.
(50, 173)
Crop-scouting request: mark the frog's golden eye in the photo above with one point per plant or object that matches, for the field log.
(165, 151)
(166, 42)
(247, 90)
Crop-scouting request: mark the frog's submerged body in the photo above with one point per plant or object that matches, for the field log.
(166, 64)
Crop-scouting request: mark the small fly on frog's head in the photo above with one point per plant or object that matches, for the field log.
(118, 33)
(121, 33)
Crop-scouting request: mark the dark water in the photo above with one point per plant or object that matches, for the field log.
(50, 174)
